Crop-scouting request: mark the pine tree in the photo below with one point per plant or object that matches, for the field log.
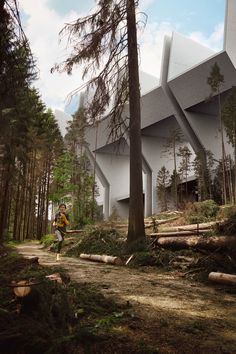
(29, 135)
(175, 181)
(163, 179)
(16, 73)
(229, 120)
(215, 80)
(170, 149)
(111, 30)
(185, 165)
(203, 172)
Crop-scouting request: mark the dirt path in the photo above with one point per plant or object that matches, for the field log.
(190, 311)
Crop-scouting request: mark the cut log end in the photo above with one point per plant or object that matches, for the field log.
(101, 258)
(224, 278)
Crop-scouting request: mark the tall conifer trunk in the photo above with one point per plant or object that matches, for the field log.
(136, 233)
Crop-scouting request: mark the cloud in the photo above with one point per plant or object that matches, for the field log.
(145, 4)
(214, 41)
(42, 25)
(151, 43)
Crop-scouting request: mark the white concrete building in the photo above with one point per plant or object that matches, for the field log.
(178, 102)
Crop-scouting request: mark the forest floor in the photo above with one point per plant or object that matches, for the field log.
(173, 314)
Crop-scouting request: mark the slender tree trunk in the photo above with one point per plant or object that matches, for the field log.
(42, 204)
(2, 11)
(231, 193)
(16, 216)
(17, 219)
(94, 173)
(223, 151)
(136, 232)
(38, 207)
(45, 229)
(175, 176)
(210, 182)
(186, 181)
(20, 212)
(234, 168)
(23, 204)
(26, 201)
(9, 215)
(30, 210)
(4, 201)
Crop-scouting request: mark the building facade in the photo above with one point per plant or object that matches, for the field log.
(178, 102)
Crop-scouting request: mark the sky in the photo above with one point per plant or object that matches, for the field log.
(42, 20)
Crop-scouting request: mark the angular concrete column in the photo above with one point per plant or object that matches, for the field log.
(230, 30)
(178, 112)
(103, 181)
(148, 188)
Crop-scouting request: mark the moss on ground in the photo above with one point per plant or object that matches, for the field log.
(58, 318)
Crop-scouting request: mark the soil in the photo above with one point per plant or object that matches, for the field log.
(175, 315)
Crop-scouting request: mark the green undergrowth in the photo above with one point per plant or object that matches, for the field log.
(165, 215)
(98, 240)
(200, 212)
(228, 215)
(159, 258)
(47, 240)
(59, 318)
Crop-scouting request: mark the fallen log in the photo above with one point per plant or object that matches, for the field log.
(182, 262)
(222, 278)
(148, 226)
(74, 231)
(129, 259)
(178, 233)
(121, 226)
(183, 259)
(157, 222)
(160, 222)
(101, 258)
(115, 225)
(209, 243)
(71, 238)
(205, 225)
(56, 277)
